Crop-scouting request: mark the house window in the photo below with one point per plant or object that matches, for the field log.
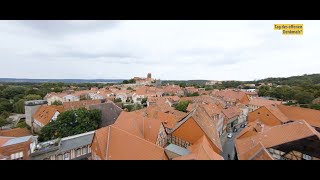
(67, 156)
(84, 150)
(78, 152)
(60, 157)
(17, 156)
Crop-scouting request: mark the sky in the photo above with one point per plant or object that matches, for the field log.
(170, 50)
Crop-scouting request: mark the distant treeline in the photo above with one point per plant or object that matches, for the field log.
(13, 80)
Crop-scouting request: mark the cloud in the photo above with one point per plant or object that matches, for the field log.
(64, 27)
(222, 50)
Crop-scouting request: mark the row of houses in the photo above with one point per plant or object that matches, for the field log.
(279, 132)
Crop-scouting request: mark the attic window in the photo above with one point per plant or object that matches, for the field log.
(258, 112)
(267, 114)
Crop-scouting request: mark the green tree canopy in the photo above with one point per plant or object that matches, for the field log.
(5, 105)
(18, 107)
(71, 123)
(56, 103)
(182, 106)
(11, 91)
(31, 97)
(304, 97)
(144, 100)
(3, 122)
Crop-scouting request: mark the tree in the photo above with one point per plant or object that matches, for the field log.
(31, 97)
(85, 97)
(125, 82)
(193, 94)
(130, 88)
(132, 81)
(12, 91)
(133, 107)
(144, 100)
(5, 105)
(117, 100)
(3, 122)
(182, 106)
(18, 107)
(304, 97)
(264, 91)
(56, 103)
(70, 123)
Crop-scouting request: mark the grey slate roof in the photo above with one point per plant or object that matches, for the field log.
(110, 112)
(66, 144)
(177, 149)
(16, 141)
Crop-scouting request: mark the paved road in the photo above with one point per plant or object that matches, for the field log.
(228, 146)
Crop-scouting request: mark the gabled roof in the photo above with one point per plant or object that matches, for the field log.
(230, 94)
(117, 144)
(17, 132)
(139, 125)
(276, 112)
(311, 116)
(258, 152)
(3, 140)
(110, 112)
(45, 113)
(12, 141)
(211, 109)
(80, 104)
(205, 122)
(201, 150)
(277, 135)
(231, 112)
(263, 102)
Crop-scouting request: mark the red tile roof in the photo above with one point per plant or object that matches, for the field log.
(258, 152)
(276, 135)
(205, 122)
(231, 112)
(45, 113)
(263, 102)
(311, 116)
(201, 150)
(117, 144)
(139, 125)
(79, 104)
(17, 132)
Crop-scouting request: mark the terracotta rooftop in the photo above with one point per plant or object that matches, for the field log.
(117, 144)
(45, 113)
(143, 127)
(17, 132)
(201, 150)
(311, 116)
(211, 109)
(263, 102)
(79, 104)
(3, 140)
(230, 94)
(258, 152)
(231, 112)
(277, 135)
(276, 112)
(205, 122)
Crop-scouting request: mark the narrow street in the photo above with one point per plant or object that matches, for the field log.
(228, 146)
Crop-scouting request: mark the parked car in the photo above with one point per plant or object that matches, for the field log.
(235, 130)
(230, 135)
(243, 125)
